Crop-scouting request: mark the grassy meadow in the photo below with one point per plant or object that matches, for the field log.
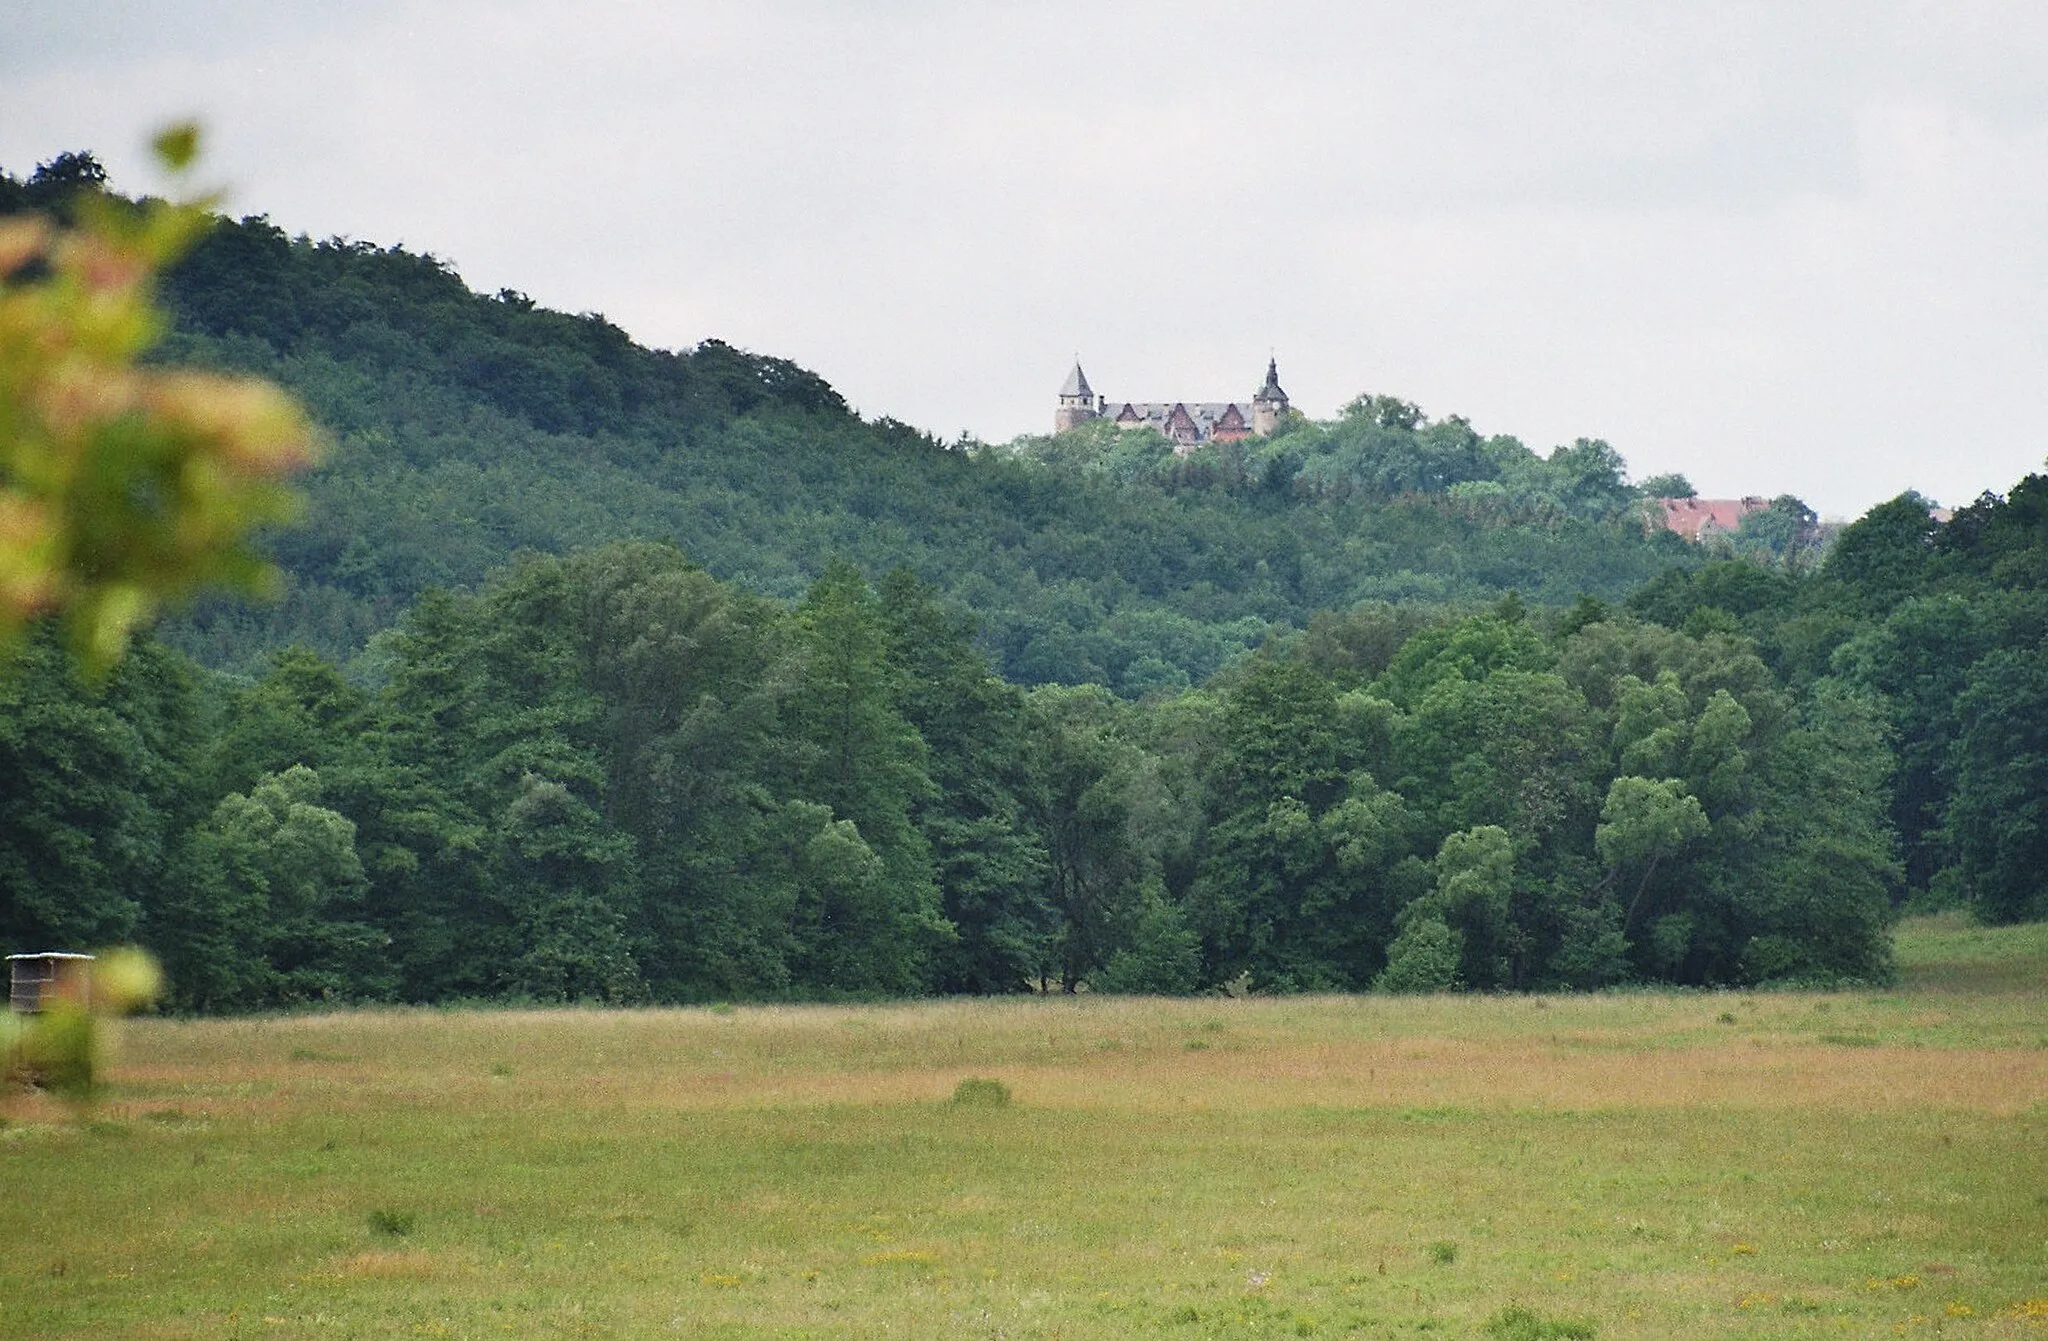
(1629, 1165)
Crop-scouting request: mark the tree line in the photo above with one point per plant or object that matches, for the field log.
(614, 777)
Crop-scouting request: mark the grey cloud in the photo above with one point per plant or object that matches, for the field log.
(1777, 247)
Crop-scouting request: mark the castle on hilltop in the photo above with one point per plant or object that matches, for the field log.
(1187, 423)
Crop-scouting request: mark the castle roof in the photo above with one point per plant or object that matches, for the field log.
(1076, 383)
(1201, 415)
(1271, 390)
(1696, 517)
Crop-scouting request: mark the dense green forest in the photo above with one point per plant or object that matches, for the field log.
(468, 428)
(610, 673)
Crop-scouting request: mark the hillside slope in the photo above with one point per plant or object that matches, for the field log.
(469, 427)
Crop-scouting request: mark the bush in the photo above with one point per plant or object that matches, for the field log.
(975, 1092)
(1515, 1323)
(392, 1224)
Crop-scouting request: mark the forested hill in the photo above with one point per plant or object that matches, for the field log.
(469, 427)
(606, 772)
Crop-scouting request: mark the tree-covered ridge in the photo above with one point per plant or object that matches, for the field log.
(468, 428)
(393, 311)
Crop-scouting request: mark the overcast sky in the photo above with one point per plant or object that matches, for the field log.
(1780, 247)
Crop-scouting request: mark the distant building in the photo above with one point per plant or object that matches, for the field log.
(37, 980)
(1187, 423)
(1699, 519)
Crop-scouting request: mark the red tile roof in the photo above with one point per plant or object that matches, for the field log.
(1695, 517)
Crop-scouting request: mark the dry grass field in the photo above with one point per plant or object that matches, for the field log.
(1633, 1165)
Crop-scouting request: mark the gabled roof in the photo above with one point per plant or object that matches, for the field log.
(1202, 415)
(1076, 383)
(1181, 424)
(1694, 517)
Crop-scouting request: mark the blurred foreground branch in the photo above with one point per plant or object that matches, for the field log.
(124, 486)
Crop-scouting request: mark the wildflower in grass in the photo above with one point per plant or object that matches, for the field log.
(900, 1257)
(1959, 1309)
(1744, 1250)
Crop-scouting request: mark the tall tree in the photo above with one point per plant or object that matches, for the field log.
(991, 868)
(95, 777)
(265, 907)
(1079, 801)
(867, 764)
(1998, 815)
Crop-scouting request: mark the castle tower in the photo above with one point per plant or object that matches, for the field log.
(1269, 407)
(1077, 402)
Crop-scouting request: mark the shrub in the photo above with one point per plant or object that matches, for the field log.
(976, 1092)
(1515, 1323)
(392, 1224)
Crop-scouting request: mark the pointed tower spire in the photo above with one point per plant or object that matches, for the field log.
(1269, 407)
(1077, 401)
(1077, 383)
(1271, 390)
